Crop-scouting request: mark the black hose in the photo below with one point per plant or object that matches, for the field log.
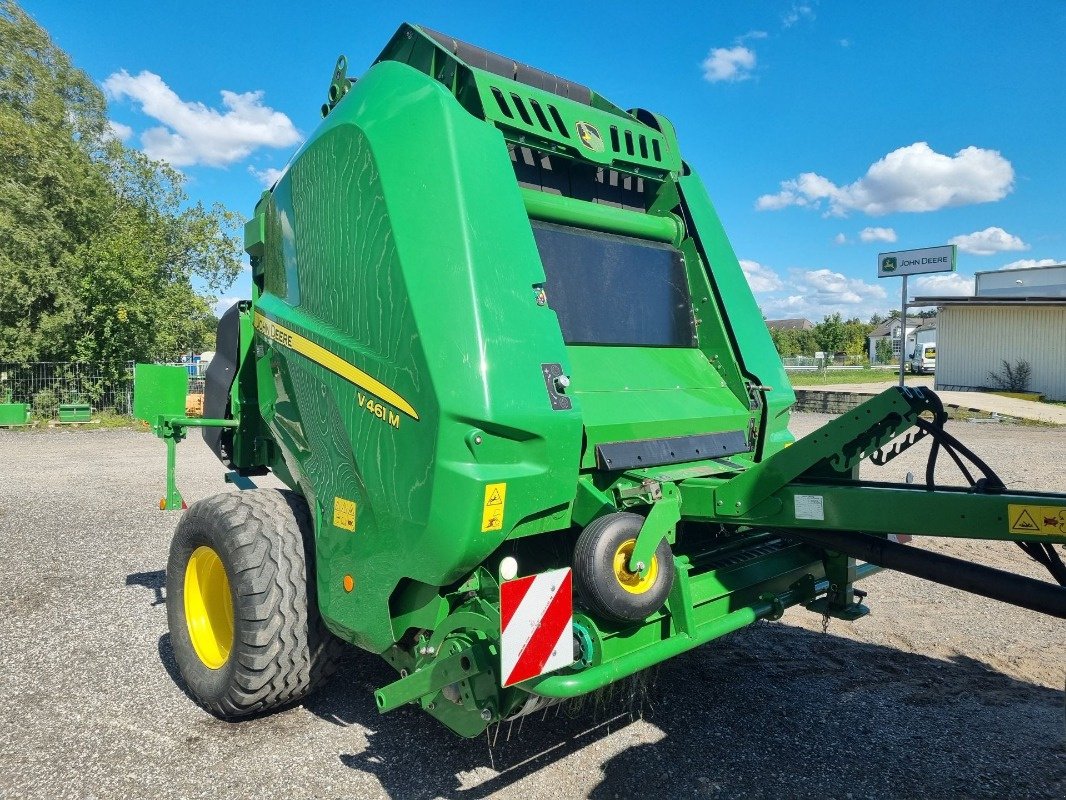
(1041, 552)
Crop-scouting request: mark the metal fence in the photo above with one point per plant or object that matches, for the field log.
(107, 387)
(807, 363)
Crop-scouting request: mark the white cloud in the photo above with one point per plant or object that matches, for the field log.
(119, 131)
(752, 35)
(988, 241)
(877, 235)
(797, 12)
(191, 132)
(268, 177)
(912, 179)
(1029, 263)
(845, 42)
(728, 64)
(840, 239)
(943, 284)
(223, 304)
(815, 293)
(760, 278)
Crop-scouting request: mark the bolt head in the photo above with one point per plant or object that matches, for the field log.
(486, 714)
(477, 440)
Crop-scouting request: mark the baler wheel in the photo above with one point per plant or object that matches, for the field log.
(602, 575)
(244, 622)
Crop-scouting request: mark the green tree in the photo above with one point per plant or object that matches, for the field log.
(98, 244)
(883, 350)
(831, 334)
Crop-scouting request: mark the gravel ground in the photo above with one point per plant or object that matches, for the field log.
(936, 694)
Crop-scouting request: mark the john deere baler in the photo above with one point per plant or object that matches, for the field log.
(534, 429)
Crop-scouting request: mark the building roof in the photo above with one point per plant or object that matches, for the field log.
(992, 300)
(885, 328)
(790, 324)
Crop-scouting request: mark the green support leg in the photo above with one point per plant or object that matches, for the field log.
(173, 500)
(841, 601)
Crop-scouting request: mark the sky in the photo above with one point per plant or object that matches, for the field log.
(826, 132)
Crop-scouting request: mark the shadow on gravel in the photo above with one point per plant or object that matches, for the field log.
(155, 580)
(775, 711)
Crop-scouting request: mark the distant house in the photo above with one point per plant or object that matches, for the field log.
(790, 324)
(918, 330)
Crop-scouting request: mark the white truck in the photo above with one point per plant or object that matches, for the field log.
(923, 359)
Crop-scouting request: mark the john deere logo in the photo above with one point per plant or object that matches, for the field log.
(589, 136)
(888, 264)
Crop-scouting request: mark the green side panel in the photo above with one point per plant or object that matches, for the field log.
(75, 412)
(159, 391)
(757, 356)
(415, 263)
(631, 393)
(14, 414)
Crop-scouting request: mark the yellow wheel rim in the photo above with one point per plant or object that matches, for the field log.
(631, 581)
(208, 607)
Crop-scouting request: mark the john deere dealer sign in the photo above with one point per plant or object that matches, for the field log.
(914, 262)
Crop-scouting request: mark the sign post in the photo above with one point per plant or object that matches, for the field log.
(913, 262)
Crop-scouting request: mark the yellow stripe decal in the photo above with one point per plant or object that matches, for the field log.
(332, 362)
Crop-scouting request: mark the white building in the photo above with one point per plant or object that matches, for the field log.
(1015, 315)
(918, 330)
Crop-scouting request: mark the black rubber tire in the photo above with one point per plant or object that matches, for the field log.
(594, 575)
(282, 651)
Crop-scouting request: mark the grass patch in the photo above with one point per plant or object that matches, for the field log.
(101, 420)
(817, 378)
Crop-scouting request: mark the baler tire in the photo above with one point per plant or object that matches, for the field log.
(280, 649)
(596, 578)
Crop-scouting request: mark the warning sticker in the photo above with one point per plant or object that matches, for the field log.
(1039, 520)
(344, 513)
(492, 511)
(810, 506)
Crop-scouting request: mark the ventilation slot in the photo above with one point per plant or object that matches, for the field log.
(655, 150)
(558, 121)
(553, 174)
(521, 108)
(614, 138)
(629, 143)
(643, 146)
(543, 120)
(502, 103)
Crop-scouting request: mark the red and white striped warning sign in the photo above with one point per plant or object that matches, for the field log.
(536, 622)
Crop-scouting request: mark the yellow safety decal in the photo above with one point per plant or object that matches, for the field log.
(332, 362)
(492, 511)
(344, 513)
(1039, 520)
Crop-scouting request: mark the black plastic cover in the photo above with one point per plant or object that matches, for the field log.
(672, 450)
(609, 289)
(509, 68)
(218, 380)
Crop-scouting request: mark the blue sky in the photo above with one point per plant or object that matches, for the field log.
(826, 132)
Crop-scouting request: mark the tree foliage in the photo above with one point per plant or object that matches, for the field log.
(832, 335)
(98, 244)
(883, 351)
